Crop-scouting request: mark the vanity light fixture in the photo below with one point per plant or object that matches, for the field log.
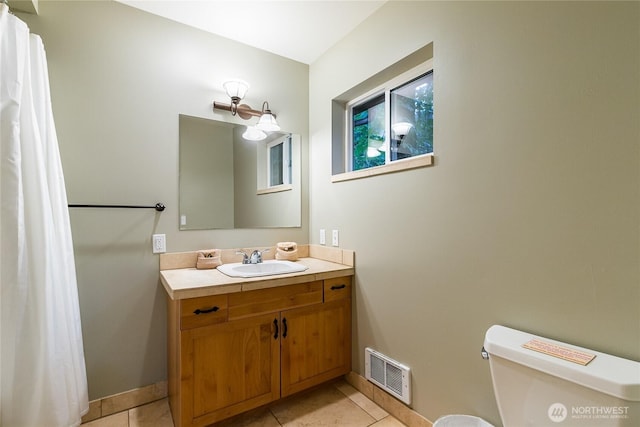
(401, 129)
(254, 134)
(267, 120)
(236, 90)
(374, 152)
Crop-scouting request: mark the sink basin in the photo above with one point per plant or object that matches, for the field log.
(266, 268)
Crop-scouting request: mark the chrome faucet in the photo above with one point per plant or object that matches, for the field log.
(254, 258)
(245, 257)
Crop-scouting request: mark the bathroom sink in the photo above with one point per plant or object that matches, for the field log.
(266, 268)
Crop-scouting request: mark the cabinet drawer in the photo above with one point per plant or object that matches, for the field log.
(251, 303)
(203, 311)
(337, 288)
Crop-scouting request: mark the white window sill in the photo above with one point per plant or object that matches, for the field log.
(276, 189)
(396, 166)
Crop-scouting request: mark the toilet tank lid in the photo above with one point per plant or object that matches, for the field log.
(606, 373)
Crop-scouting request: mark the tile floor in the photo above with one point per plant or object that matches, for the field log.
(334, 404)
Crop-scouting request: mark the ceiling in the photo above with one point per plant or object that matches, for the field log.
(301, 30)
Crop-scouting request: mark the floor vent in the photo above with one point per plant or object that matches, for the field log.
(390, 375)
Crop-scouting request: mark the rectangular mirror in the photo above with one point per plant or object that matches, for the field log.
(227, 182)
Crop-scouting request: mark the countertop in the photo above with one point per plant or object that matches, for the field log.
(185, 283)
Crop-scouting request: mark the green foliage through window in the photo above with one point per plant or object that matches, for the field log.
(410, 124)
(368, 133)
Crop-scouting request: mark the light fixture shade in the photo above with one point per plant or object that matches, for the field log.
(373, 152)
(236, 88)
(401, 128)
(253, 134)
(268, 123)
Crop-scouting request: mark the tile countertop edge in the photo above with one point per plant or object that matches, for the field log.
(192, 283)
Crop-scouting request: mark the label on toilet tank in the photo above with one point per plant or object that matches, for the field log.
(555, 350)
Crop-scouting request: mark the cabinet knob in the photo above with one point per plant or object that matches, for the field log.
(284, 324)
(336, 287)
(275, 323)
(206, 310)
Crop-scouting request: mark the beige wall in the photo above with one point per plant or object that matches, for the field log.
(119, 79)
(530, 217)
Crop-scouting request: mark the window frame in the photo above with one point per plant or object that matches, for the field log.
(286, 162)
(357, 102)
(421, 160)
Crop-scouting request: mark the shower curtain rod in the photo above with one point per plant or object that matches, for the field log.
(158, 207)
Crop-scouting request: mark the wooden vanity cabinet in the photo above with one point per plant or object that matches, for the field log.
(245, 349)
(316, 340)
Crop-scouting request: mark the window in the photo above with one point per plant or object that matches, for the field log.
(279, 162)
(384, 124)
(393, 122)
(412, 118)
(368, 133)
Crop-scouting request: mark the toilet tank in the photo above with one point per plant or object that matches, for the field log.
(558, 384)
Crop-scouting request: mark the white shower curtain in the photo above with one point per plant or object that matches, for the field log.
(42, 368)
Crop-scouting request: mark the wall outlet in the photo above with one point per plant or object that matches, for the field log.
(323, 237)
(159, 243)
(334, 238)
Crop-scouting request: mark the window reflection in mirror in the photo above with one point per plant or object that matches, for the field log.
(275, 164)
(279, 163)
(225, 181)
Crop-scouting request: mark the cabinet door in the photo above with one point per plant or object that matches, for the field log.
(229, 368)
(315, 344)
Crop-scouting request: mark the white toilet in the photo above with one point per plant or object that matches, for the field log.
(550, 383)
